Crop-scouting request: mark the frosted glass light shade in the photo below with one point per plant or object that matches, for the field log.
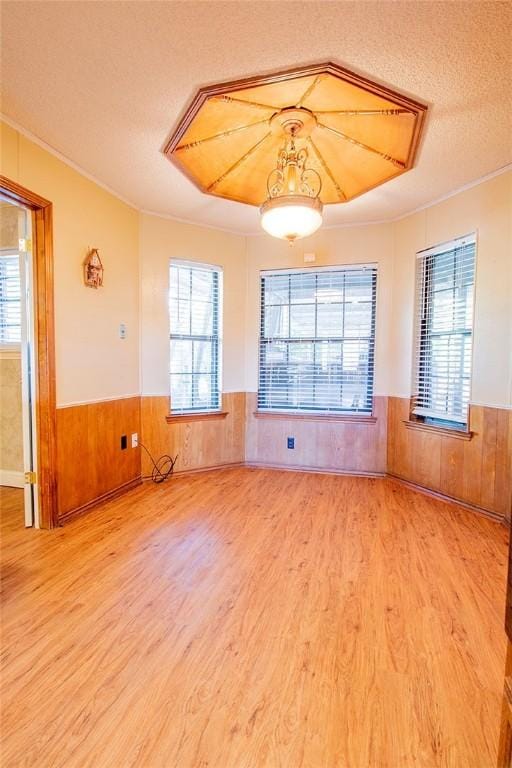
(291, 217)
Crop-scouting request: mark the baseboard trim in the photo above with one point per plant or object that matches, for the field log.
(195, 470)
(313, 470)
(12, 478)
(108, 496)
(120, 490)
(495, 516)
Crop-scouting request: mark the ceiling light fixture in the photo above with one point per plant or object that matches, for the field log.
(293, 208)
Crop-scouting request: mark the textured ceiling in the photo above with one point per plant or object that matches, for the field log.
(104, 83)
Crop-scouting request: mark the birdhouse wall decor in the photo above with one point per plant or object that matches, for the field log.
(93, 269)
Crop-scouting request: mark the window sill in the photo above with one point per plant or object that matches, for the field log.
(350, 418)
(174, 418)
(459, 434)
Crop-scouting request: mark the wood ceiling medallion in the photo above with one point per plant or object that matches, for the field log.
(358, 134)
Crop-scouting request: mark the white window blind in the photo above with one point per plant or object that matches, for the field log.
(445, 281)
(317, 340)
(195, 309)
(10, 299)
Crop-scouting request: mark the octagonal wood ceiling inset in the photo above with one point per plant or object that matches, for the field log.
(365, 134)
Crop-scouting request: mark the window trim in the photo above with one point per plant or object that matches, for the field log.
(340, 415)
(200, 414)
(343, 416)
(417, 421)
(173, 418)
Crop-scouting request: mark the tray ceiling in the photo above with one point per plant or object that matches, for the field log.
(103, 83)
(357, 134)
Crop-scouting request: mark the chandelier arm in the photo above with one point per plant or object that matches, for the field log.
(326, 168)
(351, 140)
(307, 186)
(275, 183)
(238, 162)
(229, 132)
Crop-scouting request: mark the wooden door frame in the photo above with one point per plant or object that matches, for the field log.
(44, 330)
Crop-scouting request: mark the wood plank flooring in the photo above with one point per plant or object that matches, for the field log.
(251, 618)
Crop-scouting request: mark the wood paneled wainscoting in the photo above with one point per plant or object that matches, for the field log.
(91, 465)
(342, 445)
(199, 443)
(477, 471)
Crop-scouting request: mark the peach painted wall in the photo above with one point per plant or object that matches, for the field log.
(93, 363)
(349, 245)
(164, 239)
(486, 209)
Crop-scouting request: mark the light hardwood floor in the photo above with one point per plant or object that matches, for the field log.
(255, 618)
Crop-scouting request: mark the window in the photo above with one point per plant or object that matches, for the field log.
(445, 281)
(10, 298)
(195, 301)
(317, 340)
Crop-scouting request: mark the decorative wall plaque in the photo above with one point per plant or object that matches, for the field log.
(93, 269)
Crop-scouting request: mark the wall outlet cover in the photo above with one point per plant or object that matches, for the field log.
(291, 442)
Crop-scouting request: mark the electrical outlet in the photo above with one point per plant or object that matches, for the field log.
(291, 442)
(135, 439)
(122, 330)
(124, 442)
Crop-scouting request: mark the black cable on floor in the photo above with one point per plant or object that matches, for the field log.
(162, 467)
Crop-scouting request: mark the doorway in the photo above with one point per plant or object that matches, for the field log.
(18, 459)
(35, 258)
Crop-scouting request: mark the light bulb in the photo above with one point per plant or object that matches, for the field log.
(291, 217)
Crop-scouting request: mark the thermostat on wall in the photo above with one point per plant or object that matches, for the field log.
(309, 257)
(122, 331)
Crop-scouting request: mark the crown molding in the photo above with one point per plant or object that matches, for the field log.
(349, 225)
(55, 152)
(194, 223)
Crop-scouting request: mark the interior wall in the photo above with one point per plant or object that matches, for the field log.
(349, 245)
(93, 364)
(321, 444)
(486, 209)
(197, 443)
(478, 471)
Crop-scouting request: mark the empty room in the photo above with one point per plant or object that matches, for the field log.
(256, 384)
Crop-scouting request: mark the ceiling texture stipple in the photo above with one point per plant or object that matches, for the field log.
(102, 83)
